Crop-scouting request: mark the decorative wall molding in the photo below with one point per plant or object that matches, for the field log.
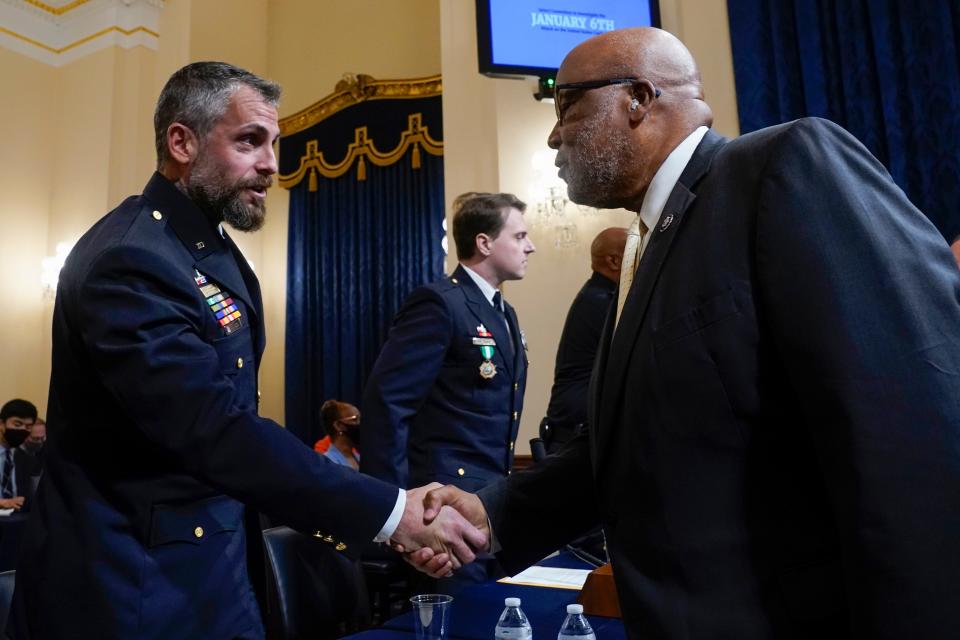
(57, 32)
(354, 89)
(312, 162)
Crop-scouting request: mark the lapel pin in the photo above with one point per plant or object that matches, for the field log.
(200, 245)
(666, 222)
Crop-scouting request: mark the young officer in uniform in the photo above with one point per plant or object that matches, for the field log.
(443, 401)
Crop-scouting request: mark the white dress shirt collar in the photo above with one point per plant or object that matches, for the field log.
(666, 178)
(486, 288)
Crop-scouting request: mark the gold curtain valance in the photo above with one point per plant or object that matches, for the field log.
(350, 91)
(415, 137)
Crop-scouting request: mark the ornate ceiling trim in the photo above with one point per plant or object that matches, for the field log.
(57, 32)
(56, 10)
(354, 89)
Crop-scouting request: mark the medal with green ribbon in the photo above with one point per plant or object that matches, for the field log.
(485, 341)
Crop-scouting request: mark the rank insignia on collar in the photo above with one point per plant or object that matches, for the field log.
(225, 310)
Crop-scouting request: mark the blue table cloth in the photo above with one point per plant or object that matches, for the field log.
(477, 608)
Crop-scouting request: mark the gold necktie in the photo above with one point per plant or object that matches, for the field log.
(628, 267)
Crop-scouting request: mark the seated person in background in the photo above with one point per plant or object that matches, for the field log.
(16, 465)
(34, 444)
(341, 420)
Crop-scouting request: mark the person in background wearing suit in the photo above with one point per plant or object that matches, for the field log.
(341, 420)
(774, 444)
(567, 409)
(16, 465)
(146, 525)
(444, 398)
(37, 438)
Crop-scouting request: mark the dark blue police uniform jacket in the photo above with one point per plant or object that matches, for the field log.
(428, 413)
(137, 529)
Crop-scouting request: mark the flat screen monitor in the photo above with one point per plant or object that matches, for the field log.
(531, 37)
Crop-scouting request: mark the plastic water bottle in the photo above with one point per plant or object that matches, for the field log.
(513, 623)
(576, 626)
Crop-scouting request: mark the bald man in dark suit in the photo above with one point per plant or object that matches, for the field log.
(774, 450)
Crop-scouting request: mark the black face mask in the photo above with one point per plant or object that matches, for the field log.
(15, 437)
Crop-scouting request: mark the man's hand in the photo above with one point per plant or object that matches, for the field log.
(436, 503)
(468, 504)
(450, 538)
(13, 503)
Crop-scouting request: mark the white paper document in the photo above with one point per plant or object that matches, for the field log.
(553, 577)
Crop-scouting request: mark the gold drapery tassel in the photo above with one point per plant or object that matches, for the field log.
(312, 183)
(415, 159)
(362, 169)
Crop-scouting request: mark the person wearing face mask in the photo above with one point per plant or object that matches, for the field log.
(35, 445)
(341, 421)
(16, 465)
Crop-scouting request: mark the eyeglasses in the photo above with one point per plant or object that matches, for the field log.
(591, 84)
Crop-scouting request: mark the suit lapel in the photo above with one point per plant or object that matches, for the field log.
(610, 388)
(481, 308)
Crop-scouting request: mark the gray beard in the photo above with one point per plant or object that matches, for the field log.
(226, 204)
(600, 165)
(604, 152)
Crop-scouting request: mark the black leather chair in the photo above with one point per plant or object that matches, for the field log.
(537, 450)
(387, 584)
(7, 579)
(313, 591)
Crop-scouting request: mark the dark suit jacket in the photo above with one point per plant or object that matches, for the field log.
(25, 467)
(577, 351)
(155, 443)
(428, 415)
(775, 449)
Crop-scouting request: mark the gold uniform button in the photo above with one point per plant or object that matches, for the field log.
(453, 280)
(511, 446)
(239, 363)
(460, 471)
(516, 386)
(514, 415)
(198, 532)
(157, 215)
(340, 546)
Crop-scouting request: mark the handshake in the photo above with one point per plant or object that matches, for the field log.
(442, 529)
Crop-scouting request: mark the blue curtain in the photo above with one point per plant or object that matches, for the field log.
(357, 245)
(886, 70)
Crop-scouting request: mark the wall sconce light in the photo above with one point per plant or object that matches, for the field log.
(549, 193)
(50, 269)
